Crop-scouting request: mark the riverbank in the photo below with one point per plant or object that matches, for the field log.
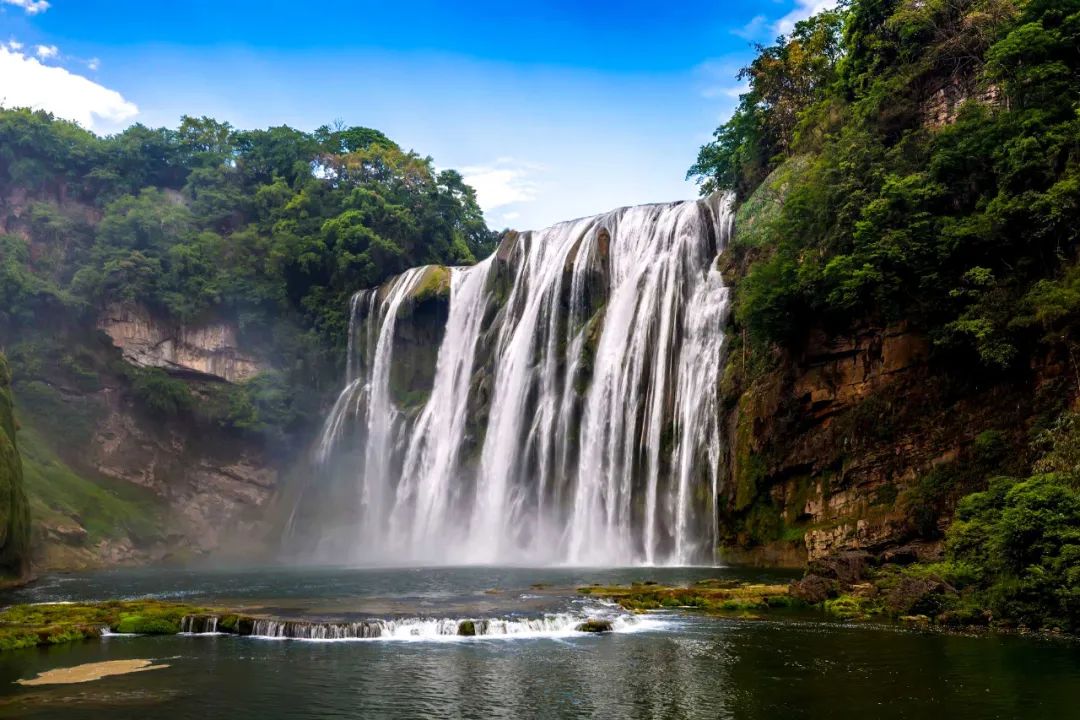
(913, 597)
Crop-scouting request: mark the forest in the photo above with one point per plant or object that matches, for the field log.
(271, 229)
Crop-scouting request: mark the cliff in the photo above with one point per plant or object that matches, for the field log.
(209, 348)
(862, 443)
(14, 510)
(126, 465)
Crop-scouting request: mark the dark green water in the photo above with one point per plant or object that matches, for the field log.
(673, 666)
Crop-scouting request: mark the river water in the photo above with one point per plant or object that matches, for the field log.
(664, 665)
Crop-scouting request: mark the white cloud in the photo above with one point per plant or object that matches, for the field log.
(46, 51)
(504, 182)
(93, 64)
(32, 7)
(13, 44)
(803, 9)
(29, 83)
(753, 29)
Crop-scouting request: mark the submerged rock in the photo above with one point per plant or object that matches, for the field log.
(594, 625)
(91, 671)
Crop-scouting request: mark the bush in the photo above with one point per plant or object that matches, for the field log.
(1021, 541)
(160, 393)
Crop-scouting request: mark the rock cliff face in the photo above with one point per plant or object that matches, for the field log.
(112, 482)
(215, 487)
(14, 510)
(209, 349)
(858, 444)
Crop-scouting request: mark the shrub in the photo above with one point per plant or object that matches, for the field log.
(161, 393)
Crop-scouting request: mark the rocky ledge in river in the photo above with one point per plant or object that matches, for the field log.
(849, 587)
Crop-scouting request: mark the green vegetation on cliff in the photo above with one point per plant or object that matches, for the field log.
(917, 164)
(271, 230)
(928, 153)
(14, 510)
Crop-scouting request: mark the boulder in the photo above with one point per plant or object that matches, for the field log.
(919, 596)
(846, 568)
(813, 589)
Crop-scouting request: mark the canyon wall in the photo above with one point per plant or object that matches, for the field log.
(115, 480)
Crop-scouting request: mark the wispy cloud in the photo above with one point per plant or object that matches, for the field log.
(45, 52)
(754, 29)
(803, 9)
(32, 7)
(718, 79)
(30, 83)
(503, 182)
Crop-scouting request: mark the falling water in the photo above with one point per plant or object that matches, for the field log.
(572, 415)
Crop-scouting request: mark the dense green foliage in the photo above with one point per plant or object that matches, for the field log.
(1018, 542)
(206, 217)
(271, 229)
(967, 224)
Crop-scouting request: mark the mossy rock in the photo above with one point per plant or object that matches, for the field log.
(146, 625)
(466, 628)
(434, 283)
(853, 607)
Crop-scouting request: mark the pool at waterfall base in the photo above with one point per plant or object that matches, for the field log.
(530, 660)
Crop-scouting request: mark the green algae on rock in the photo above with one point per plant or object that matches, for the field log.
(716, 597)
(24, 626)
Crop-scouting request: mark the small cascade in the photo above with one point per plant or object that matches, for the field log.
(557, 403)
(199, 624)
(418, 628)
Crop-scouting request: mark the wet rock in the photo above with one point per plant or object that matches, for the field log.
(913, 552)
(813, 589)
(594, 625)
(919, 596)
(905, 555)
(466, 628)
(919, 620)
(847, 568)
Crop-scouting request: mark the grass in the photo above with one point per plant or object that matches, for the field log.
(105, 509)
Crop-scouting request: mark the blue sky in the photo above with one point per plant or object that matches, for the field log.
(552, 110)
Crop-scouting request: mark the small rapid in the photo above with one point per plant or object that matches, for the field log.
(591, 620)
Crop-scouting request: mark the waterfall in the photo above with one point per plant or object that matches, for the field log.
(556, 403)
